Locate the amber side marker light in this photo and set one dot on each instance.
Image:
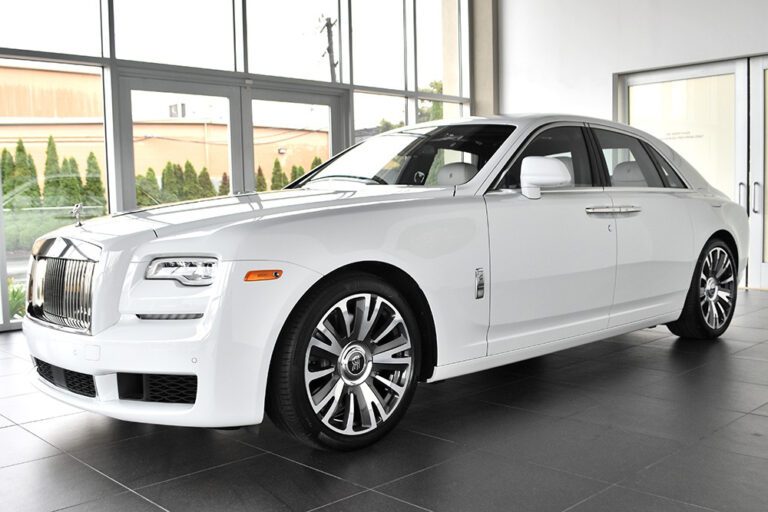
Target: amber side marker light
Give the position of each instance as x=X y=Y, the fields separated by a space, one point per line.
x=263 y=275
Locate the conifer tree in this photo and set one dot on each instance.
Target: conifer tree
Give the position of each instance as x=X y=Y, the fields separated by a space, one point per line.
x=171 y=184
x=191 y=186
x=206 y=185
x=6 y=171
x=317 y=161
x=33 y=192
x=25 y=191
x=224 y=185
x=71 y=186
x=279 y=179
x=153 y=189
x=52 y=173
x=147 y=190
x=93 y=192
x=261 y=181
x=294 y=173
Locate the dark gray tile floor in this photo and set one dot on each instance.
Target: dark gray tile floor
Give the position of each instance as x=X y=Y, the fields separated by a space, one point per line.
x=640 y=422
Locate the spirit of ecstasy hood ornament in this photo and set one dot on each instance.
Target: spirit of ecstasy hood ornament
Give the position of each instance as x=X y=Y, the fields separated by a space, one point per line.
x=76 y=214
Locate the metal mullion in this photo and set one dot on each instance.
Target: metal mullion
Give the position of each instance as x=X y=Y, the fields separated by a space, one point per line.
x=239 y=14
x=246 y=119
x=351 y=43
x=61 y=58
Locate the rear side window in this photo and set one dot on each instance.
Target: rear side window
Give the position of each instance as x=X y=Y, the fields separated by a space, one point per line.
x=668 y=173
x=627 y=161
x=567 y=144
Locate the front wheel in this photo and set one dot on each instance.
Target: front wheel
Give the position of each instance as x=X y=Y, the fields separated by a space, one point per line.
x=345 y=366
x=711 y=300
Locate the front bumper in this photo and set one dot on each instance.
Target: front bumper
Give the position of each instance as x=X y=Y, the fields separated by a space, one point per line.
x=225 y=396
x=229 y=351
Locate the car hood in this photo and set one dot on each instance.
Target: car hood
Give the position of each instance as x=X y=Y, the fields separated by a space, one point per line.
x=130 y=229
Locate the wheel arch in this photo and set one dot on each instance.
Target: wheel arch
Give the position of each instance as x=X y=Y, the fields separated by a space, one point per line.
x=412 y=293
x=728 y=239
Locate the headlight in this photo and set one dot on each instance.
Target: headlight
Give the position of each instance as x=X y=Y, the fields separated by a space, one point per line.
x=188 y=271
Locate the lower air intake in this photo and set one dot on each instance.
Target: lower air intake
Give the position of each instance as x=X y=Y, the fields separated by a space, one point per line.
x=169 y=389
x=74 y=382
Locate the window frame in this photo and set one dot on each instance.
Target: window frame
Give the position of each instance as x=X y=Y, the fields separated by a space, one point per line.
x=604 y=165
x=597 y=178
x=659 y=161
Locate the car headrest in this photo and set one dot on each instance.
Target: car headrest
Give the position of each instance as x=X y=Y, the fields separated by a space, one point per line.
x=628 y=174
x=456 y=173
x=568 y=161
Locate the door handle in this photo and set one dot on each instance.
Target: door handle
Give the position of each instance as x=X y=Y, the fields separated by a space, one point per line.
x=629 y=209
x=596 y=210
x=755 y=197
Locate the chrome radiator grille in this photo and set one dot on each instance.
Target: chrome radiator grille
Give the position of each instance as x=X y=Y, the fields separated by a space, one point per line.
x=60 y=288
x=66 y=290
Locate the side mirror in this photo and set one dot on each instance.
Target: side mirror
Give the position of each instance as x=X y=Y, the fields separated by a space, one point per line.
x=542 y=171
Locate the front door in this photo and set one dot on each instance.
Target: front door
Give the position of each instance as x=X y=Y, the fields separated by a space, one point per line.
x=552 y=259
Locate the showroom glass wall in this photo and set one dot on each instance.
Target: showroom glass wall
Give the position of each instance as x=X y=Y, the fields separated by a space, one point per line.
x=124 y=110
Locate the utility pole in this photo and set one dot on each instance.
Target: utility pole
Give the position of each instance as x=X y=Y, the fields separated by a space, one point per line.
x=328 y=27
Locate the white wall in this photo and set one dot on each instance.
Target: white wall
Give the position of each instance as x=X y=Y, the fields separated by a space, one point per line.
x=560 y=55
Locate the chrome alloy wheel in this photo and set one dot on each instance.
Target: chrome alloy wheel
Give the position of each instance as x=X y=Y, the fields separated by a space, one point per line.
x=717 y=287
x=358 y=364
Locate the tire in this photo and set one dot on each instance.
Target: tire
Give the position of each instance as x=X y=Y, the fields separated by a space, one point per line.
x=351 y=345
x=711 y=299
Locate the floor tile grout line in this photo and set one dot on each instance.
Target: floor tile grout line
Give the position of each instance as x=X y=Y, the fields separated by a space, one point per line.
x=300 y=463
x=116 y=481
x=345 y=498
x=377 y=487
x=552 y=468
x=593 y=495
x=382 y=493
x=32 y=460
x=67 y=453
x=661 y=496
x=192 y=473
x=70 y=507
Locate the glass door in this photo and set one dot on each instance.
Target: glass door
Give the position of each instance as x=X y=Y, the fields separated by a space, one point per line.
x=292 y=134
x=181 y=142
x=702 y=113
x=758 y=227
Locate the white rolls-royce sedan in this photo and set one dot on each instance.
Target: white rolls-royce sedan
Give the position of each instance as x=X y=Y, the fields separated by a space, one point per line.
x=421 y=254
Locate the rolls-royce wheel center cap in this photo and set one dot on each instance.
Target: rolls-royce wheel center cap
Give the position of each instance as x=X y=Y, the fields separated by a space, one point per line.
x=355 y=363
x=712 y=288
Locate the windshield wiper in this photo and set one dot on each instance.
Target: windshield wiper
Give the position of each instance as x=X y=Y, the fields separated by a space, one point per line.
x=374 y=179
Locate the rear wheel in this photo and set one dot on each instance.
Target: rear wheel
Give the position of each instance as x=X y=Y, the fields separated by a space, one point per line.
x=344 y=369
x=711 y=300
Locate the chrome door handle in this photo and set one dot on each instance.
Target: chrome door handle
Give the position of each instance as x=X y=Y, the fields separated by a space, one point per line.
x=629 y=209
x=594 y=210
x=755 y=197
x=613 y=209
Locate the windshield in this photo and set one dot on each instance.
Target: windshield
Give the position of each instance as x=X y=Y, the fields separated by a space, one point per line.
x=417 y=156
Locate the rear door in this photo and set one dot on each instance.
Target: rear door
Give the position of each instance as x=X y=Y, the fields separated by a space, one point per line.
x=655 y=239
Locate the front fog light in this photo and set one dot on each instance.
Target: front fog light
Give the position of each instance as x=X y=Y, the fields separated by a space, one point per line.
x=187 y=271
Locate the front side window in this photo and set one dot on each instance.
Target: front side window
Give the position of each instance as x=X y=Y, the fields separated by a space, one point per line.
x=566 y=143
x=431 y=156
x=628 y=164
